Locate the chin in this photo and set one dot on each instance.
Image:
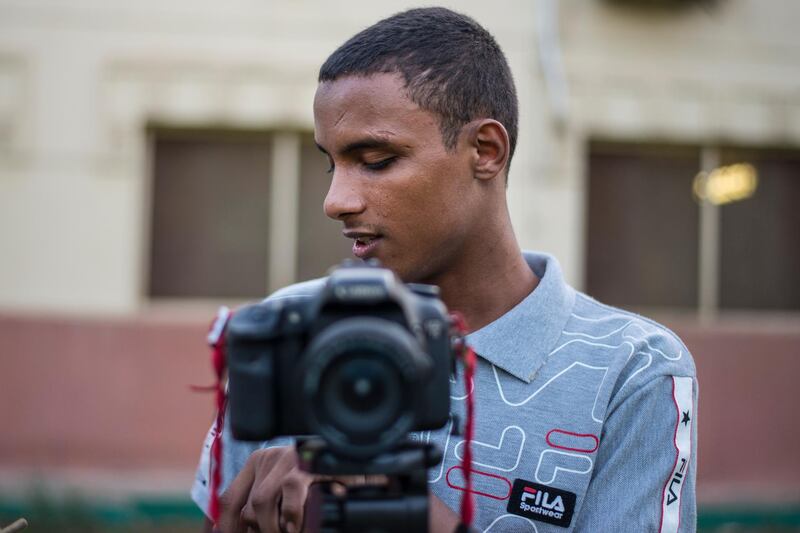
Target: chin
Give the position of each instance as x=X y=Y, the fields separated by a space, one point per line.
x=407 y=273
x=399 y=270
x=415 y=276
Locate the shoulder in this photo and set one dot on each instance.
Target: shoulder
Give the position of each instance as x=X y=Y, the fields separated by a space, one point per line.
x=643 y=335
x=646 y=352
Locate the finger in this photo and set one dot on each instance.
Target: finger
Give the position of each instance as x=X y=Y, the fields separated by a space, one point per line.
x=312 y=520
x=264 y=497
x=248 y=520
x=265 y=474
x=294 y=494
x=235 y=498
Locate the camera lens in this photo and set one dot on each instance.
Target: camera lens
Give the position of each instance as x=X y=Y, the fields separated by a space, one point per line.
x=359 y=382
x=361 y=394
x=362 y=385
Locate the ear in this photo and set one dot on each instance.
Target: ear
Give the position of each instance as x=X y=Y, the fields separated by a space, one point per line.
x=489 y=140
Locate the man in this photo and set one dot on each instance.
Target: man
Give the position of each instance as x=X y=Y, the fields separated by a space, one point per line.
x=585 y=413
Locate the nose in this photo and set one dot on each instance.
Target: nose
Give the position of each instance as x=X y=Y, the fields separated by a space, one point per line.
x=344 y=197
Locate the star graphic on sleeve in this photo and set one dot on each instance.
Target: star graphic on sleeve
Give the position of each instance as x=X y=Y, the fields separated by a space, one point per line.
x=685 y=419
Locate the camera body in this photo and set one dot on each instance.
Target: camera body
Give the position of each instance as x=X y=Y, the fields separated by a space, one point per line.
x=361 y=363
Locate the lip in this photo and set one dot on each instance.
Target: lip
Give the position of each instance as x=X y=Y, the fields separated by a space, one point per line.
x=363 y=250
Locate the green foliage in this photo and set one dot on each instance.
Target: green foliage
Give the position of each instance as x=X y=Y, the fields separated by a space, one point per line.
x=47 y=513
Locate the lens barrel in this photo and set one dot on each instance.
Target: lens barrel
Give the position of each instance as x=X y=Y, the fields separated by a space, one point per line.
x=359 y=382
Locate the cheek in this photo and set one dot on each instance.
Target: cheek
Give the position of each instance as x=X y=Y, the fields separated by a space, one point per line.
x=424 y=198
x=387 y=203
x=420 y=207
x=446 y=193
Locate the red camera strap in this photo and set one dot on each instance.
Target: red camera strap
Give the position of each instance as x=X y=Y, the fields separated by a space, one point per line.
x=216 y=340
x=469 y=361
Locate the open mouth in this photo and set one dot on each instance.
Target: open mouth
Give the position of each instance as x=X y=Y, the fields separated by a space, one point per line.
x=364 y=247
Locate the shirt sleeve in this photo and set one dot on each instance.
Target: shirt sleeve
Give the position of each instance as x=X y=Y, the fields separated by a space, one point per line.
x=234 y=456
x=644 y=475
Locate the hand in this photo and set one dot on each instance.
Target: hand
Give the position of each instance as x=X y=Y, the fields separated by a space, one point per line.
x=270 y=492
x=268 y=495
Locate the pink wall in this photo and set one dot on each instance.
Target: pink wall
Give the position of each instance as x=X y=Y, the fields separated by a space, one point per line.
x=113 y=394
x=102 y=393
x=749 y=420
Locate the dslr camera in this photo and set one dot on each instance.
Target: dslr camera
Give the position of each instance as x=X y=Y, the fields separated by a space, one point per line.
x=360 y=363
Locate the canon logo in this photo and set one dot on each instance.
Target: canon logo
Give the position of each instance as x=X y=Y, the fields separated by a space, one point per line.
x=359 y=292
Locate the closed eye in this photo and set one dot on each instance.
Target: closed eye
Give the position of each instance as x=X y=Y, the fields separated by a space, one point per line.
x=382 y=164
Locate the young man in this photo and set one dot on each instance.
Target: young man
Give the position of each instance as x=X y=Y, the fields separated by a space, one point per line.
x=585 y=413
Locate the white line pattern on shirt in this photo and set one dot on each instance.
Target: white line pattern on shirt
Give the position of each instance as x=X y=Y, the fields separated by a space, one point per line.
x=463 y=396
x=548 y=382
x=477 y=446
x=625 y=334
x=602 y=318
x=597 y=397
x=600 y=336
x=600 y=344
x=644 y=340
x=638 y=370
x=444 y=453
x=511 y=517
x=579 y=458
x=634 y=323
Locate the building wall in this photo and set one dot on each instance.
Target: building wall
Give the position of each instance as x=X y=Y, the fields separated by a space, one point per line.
x=80 y=81
x=726 y=74
x=80 y=84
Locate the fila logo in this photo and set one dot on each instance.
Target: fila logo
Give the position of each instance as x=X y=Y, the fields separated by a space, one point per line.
x=675 y=484
x=542 y=503
x=541 y=498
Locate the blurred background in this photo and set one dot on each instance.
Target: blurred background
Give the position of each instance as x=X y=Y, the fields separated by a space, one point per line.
x=157 y=159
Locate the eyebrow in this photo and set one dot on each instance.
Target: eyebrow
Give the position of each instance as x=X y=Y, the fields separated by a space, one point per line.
x=361 y=144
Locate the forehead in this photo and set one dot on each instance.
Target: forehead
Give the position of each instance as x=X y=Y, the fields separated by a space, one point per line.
x=371 y=105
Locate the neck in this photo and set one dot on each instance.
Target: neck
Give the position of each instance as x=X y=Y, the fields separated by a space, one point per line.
x=488 y=279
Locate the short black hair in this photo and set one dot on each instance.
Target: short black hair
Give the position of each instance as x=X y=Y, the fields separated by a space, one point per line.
x=452 y=67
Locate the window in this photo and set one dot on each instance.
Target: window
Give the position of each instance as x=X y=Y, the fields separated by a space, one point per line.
x=236 y=214
x=759 y=265
x=643 y=226
x=645 y=236
x=210 y=213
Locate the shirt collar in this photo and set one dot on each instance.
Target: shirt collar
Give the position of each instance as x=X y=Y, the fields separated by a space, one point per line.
x=520 y=340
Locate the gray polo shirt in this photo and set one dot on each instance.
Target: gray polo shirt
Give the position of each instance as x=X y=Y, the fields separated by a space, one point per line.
x=585 y=419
